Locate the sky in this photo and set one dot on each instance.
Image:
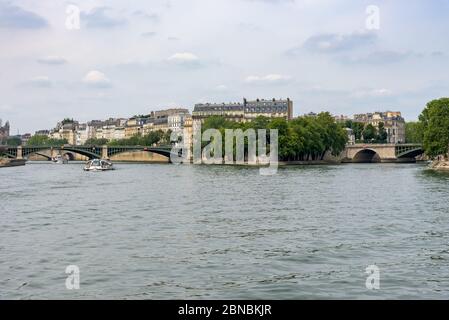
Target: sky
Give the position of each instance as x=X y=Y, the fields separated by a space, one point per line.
x=132 y=57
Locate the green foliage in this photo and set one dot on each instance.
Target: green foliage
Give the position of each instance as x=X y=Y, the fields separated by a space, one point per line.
x=369 y=133
x=414 y=132
x=13 y=141
x=96 y=142
x=382 y=135
x=67 y=120
x=434 y=121
x=357 y=129
x=217 y=122
x=39 y=140
x=304 y=138
x=152 y=138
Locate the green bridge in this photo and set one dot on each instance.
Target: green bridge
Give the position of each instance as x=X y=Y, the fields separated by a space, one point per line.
x=352 y=153
x=91 y=152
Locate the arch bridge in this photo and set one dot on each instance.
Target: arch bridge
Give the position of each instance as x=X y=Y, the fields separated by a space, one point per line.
x=366 y=153
x=91 y=152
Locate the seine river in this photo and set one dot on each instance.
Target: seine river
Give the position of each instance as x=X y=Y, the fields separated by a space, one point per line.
x=155 y=231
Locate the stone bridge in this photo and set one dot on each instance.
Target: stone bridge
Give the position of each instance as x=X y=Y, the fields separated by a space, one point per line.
x=91 y=152
x=382 y=152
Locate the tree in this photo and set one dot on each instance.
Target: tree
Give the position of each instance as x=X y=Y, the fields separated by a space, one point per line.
x=39 y=140
x=152 y=138
x=96 y=142
x=166 y=137
x=304 y=138
x=13 y=141
x=414 y=132
x=382 y=135
x=435 y=127
x=357 y=128
x=369 y=133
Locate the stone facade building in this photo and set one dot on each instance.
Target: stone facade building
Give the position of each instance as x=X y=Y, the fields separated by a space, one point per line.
x=4 y=132
x=246 y=111
x=65 y=130
x=393 y=122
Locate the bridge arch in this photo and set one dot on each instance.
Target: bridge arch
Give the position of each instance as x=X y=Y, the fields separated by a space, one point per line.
x=413 y=153
x=82 y=151
x=9 y=155
x=64 y=151
x=366 y=156
x=68 y=155
x=42 y=155
x=164 y=151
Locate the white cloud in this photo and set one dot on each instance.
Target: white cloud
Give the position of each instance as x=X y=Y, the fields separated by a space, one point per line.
x=39 y=82
x=5 y=107
x=14 y=17
x=184 y=58
x=330 y=43
x=221 y=87
x=148 y=34
x=269 y=78
x=102 y=17
x=52 y=60
x=380 y=57
x=382 y=92
x=97 y=79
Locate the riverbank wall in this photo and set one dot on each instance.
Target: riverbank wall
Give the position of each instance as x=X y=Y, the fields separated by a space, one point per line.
x=134 y=156
x=440 y=165
x=4 y=163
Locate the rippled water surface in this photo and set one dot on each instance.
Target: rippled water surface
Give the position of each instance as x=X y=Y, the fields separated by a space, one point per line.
x=164 y=231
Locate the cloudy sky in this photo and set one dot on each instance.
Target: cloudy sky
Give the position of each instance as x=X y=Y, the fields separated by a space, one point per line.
x=131 y=57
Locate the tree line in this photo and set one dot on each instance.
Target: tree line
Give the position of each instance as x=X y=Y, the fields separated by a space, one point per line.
x=152 y=138
x=301 y=139
x=432 y=128
x=41 y=140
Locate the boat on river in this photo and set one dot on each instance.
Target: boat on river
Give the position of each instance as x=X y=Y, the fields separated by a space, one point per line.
x=98 y=165
x=59 y=159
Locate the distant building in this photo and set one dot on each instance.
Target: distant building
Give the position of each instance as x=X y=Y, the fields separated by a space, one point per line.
x=110 y=129
x=393 y=121
x=134 y=126
x=341 y=118
x=4 y=132
x=65 y=130
x=311 y=114
x=246 y=111
x=42 y=133
x=25 y=137
x=165 y=120
x=176 y=121
x=351 y=136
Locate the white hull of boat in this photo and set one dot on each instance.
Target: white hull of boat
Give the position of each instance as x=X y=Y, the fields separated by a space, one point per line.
x=98 y=165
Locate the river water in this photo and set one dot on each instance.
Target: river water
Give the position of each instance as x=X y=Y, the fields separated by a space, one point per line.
x=159 y=231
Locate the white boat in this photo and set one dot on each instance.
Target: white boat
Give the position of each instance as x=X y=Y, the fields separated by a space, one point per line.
x=60 y=159
x=98 y=165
